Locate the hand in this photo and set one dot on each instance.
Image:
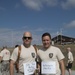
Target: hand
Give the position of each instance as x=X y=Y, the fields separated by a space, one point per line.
x=37 y=70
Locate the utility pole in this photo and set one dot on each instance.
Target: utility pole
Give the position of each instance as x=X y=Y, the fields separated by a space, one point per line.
x=57 y=36
x=12 y=37
x=61 y=35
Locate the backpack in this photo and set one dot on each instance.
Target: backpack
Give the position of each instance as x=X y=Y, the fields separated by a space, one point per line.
x=17 y=61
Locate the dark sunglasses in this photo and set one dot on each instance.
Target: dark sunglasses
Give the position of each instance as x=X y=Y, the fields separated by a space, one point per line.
x=27 y=38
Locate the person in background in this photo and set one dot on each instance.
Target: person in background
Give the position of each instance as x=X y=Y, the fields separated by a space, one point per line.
x=49 y=53
x=4 y=58
x=16 y=46
x=27 y=54
x=70 y=60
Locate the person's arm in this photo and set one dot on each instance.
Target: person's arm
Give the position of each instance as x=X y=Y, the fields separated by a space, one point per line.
x=62 y=67
x=0 y=58
x=11 y=67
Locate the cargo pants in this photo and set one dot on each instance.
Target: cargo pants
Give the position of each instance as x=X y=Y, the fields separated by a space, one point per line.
x=5 y=68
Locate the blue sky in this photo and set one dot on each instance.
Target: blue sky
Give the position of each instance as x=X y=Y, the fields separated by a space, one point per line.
x=36 y=16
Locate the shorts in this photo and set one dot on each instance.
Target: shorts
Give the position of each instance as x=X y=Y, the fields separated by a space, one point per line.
x=69 y=66
x=5 y=66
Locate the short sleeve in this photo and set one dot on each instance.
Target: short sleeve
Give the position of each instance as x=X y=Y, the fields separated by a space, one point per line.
x=60 y=55
x=14 y=54
x=1 y=54
x=39 y=59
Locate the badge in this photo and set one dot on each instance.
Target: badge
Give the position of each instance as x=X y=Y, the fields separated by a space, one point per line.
x=51 y=55
x=33 y=55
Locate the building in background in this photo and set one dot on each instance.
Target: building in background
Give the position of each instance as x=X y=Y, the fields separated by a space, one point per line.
x=61 y=39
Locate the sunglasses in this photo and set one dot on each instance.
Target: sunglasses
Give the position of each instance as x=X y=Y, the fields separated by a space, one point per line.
x=27 y=38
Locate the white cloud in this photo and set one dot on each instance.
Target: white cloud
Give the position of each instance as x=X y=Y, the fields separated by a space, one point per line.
x=38 y=4
x=36 y=39
x=51 y=2
x=71 y=24
x=33 y=4
x=68 y=4
x=11 y=37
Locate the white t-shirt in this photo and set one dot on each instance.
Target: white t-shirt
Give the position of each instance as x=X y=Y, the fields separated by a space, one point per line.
x=27 y=55
x=5 y=54
x=51 y=54
x=70 y=57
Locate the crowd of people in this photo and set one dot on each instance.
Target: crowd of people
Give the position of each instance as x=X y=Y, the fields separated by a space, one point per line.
x=49 y=59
